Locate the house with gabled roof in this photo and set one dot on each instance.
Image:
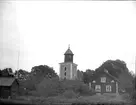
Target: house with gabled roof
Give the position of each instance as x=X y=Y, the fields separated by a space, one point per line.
x=103 y=82
x=9 y=85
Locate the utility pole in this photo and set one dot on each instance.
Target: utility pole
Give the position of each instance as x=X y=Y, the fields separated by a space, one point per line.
x=18 y=63
x=18 y=60
x=135 y=66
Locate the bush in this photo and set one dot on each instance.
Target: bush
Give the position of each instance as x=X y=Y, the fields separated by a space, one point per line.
x=70 y=94
x=33 y=93
x=126 y=96
x=134 y=95
x=84 y=89
x=48 y=87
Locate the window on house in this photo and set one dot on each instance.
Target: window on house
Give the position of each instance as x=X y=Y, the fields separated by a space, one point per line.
x=108 y=88
x=94 y=81
x=97 y=88
x=103 y=79
x=112 y=81
x=65 y=68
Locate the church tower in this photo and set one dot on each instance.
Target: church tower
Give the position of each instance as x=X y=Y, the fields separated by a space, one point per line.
x=68 y=69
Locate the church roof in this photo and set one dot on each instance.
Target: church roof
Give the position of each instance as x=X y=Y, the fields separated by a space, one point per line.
x=68 y=52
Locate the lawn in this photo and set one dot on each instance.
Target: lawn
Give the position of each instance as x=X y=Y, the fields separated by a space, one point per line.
x=107 y=98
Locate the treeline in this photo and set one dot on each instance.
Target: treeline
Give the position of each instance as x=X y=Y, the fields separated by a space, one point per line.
x=42 y=80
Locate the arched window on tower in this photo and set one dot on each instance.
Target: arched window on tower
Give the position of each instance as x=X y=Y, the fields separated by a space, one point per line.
x=65 y=68
x=65 y=74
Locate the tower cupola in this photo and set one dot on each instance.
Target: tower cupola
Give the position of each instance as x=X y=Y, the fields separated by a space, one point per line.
x=68 y=55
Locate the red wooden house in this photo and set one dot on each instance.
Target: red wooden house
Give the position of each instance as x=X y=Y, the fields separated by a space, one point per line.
x=103 y=82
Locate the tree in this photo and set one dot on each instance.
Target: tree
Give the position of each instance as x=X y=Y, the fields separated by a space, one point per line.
x=7 y=72
x=87 y=75
x=22 y=77
x=44 y=71
x=134 y=90
x=37 y=74
x=134 y=83
x=111 y=66
x=22 y=74
x=79 y=75
x=114 y=67
x=126 y=79
x=0 y=72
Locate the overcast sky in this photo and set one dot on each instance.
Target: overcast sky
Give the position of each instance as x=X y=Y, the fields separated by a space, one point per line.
x=41 y=32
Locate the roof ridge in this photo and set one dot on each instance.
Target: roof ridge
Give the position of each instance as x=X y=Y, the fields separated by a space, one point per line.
x=106 y=71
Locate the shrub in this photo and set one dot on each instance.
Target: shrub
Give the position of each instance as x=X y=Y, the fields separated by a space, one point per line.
x=48 y=87
x=69 y=94
x=84 y=89
x=134 y=95
x=33 y=93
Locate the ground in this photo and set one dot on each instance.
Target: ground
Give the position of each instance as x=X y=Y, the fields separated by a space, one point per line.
x=87 y=99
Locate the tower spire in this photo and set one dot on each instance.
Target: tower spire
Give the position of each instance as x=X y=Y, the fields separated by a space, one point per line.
x=69 y=46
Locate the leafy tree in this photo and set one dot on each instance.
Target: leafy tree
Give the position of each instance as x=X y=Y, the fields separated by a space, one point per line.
x=44 y=71
x=22 y=74
x=0 y=72
x=111 y=66
x=114 y=67
x=79 y=75
x=126 y=81
x=134 y=83
x=87 y=75
x=134 y=90
x=7 y=72
x=37 y=74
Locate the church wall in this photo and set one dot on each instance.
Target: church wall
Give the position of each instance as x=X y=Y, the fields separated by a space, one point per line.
x=74 y=71
x=62 y=69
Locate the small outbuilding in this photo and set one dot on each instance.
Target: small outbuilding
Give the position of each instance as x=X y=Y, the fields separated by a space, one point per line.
x=9 y=87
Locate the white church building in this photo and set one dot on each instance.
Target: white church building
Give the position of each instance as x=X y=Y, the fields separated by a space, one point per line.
x=68 y=69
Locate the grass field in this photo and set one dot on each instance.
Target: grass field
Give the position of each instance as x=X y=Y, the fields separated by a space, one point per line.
x=106 y=98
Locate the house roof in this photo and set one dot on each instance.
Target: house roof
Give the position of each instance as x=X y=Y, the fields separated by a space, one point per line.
x=106 y=71
x=6 y=81
x=96 y=75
